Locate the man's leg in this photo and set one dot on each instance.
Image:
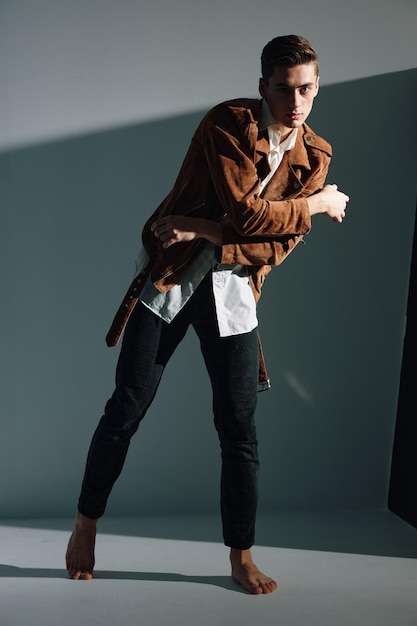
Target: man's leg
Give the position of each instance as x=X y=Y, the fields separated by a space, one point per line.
x=234 y=405
x=148 y=344
x=233 y=364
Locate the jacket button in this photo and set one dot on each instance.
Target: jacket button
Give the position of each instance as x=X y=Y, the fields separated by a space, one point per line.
x=309 y=138
x=296 y=185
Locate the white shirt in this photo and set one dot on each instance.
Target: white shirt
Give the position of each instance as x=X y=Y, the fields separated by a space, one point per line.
x=234 y=299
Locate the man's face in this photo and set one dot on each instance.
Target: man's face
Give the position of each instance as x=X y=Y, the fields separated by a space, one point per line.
x=290 y=93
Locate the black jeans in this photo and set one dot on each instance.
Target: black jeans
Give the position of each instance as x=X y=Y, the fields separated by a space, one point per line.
x=232 y=364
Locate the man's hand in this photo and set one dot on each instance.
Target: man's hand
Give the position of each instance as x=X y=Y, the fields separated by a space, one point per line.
x=330 y=201
x=177 y=228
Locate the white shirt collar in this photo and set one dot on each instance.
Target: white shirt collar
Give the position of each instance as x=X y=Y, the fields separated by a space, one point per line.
x=268 y=121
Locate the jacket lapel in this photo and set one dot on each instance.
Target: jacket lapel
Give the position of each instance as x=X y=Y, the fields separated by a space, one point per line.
x=261 y=154
x=298 y=155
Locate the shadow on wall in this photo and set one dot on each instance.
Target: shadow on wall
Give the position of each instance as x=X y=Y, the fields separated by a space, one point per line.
x=331 y=318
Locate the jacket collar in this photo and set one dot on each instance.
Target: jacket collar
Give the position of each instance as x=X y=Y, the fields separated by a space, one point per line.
x=298 y=155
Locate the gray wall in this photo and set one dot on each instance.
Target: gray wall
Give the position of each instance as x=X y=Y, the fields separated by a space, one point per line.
x=68 y=68
x=332 y=319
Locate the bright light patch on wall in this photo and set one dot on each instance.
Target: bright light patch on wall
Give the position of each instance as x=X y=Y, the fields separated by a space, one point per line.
x=298 y=388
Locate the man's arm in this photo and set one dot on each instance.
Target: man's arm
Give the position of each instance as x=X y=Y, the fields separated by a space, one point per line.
x=176 y=228
x=229 y=159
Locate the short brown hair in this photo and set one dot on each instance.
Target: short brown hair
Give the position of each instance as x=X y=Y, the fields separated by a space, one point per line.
x=287 y=51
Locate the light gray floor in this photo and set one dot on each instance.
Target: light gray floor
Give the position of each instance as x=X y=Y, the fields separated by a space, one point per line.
x=334 y=568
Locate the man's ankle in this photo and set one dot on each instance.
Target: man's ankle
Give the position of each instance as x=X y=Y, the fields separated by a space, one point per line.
x=83 y=521
x=239 y=556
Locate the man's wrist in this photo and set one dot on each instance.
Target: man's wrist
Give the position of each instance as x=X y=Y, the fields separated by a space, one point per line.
x=314 y=204
x=211 y=231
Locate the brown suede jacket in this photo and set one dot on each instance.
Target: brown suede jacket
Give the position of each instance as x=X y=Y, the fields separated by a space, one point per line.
x=220 y=180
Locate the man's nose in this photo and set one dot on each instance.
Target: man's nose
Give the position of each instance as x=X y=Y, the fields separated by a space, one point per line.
x=295 y=99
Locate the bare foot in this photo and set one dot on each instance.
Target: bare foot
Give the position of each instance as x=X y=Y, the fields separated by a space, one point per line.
x=245 y=572
x=80 y=552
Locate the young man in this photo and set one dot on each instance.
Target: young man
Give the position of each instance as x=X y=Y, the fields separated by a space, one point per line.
x=244 y=197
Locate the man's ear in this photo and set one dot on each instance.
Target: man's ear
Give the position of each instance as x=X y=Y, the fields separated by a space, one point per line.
x=262 y=87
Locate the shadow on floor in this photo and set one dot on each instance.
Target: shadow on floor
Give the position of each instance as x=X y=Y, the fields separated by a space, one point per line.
x=225 y=582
